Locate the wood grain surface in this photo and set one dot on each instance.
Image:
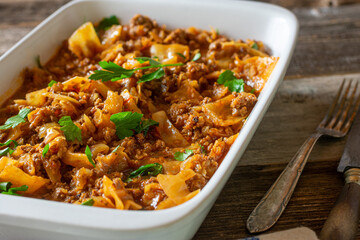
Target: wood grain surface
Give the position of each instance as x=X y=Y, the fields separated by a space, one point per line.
x=328 y=50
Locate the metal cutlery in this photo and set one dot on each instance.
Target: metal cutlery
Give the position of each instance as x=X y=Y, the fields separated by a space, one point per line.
x=336 y=123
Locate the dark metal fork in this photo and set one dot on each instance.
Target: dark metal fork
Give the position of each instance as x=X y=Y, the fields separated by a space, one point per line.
x=336 y=123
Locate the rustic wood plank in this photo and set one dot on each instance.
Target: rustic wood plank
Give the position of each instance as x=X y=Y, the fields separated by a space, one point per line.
x=311 y=203
x=294 y=114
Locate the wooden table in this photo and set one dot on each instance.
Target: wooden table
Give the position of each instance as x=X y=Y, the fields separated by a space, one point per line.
x=328 y=50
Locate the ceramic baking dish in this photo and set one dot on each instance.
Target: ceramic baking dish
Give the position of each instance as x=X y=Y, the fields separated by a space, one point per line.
x=27 y=218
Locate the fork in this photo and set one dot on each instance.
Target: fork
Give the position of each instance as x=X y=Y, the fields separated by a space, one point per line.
x=336 y=123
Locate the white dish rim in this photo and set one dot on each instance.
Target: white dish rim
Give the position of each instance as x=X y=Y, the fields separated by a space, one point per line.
x=167 y=216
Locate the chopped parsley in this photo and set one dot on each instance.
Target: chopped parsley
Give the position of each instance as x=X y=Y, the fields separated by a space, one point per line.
x=152 y=169
x=202 y=149
x=151 y=61
x=51 y=83
x=71 y=131
x=196 y=57
x=113 y=72
x=228 y=79
x=5 y=188
x=89 y=202
x=125 y=123
x=180 y=55
x=16 y=120
x=89 y=155
x=116 y=149
x=38 y=63
x=106 y=23
x=128 y=122
x=151 y=76
x=145 y=125
x=255 y=46
x=183 y=156
x=252 y=91
x=45 y=150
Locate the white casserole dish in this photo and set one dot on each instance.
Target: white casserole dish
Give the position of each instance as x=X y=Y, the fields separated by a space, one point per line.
x=27 y=218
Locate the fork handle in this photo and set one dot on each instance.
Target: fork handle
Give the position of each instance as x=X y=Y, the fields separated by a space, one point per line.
x=271 y=206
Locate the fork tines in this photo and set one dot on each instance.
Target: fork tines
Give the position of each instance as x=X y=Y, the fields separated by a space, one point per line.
x=343 y=109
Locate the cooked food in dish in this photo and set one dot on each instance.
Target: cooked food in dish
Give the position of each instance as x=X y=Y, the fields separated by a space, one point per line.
x=129 y=116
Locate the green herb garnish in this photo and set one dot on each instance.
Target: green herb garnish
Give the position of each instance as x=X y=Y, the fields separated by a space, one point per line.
x=89 y=202
x=255 y=46
x=16 y=120
x=145 y=125
x=152 y=76
x=128 y=122
x=152 y=169
x=106 y=23
x=196 y=57
x=202 y=149
x=180 y=55
x=71 y=131
x=183 y=156
x=116 y=149
x=125 y=123
x=45 y=150
x=115 y=72
x=252 y=91
x=5 y=188
x=38 y=63
x=89 y=155
x=151 y=61
x=228 y=79
x=51 y=83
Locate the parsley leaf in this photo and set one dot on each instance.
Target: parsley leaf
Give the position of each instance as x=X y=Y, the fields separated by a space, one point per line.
x=8 y=142
x=252 y=91
x=183 y=156
x=89 y=202
x=51 y=83
x=228 y=79
x=4 y=186
x=196 y=57
x=89 y=155
x=128 y=122
x=38 y=63
x=236 y=85
x=8 y=150
x=106 y=23
x=202 y=149
x=16 y=120
x=151 y=76
x=115 y=72
x=7 y=189
x=255 y=46
x=71 y=131
x=180 y=55
x=115 y=149
x=45 y=150
x=145 y=125
x=151 y=61
x=125 y=122
x=152 y=169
